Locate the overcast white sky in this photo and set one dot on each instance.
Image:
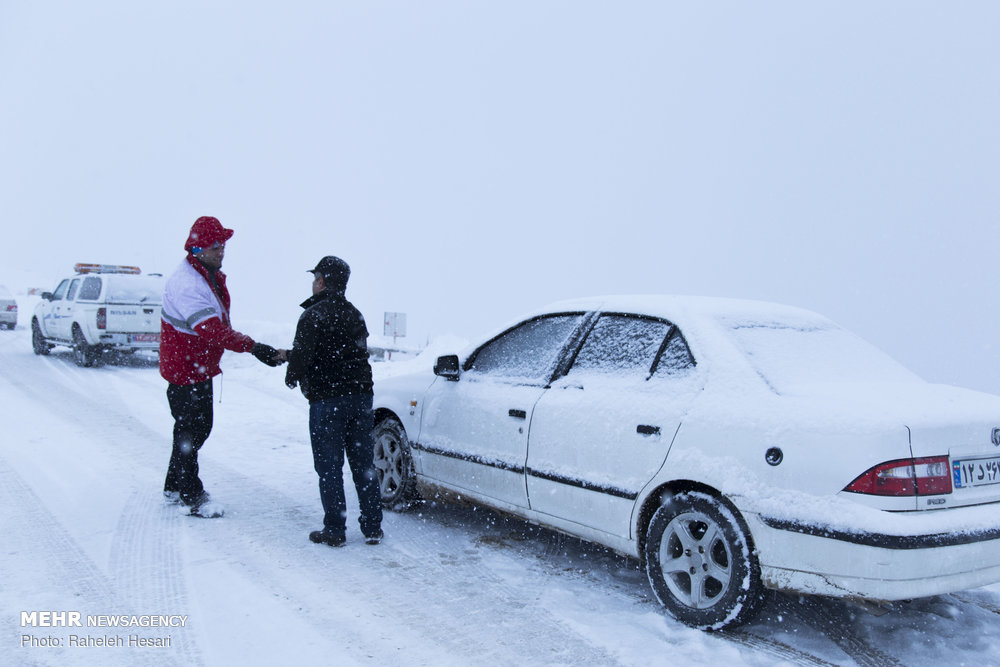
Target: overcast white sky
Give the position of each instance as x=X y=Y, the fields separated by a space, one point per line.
x=472 y=160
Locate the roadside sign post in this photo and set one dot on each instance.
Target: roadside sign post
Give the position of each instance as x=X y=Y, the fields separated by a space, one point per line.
x=395 y=326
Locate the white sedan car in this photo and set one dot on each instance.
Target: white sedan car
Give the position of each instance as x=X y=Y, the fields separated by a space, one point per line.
x=8 y=308
x=730 y=445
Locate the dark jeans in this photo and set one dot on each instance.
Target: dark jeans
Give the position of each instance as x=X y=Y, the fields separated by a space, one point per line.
x=339 y=425
x=191 y=407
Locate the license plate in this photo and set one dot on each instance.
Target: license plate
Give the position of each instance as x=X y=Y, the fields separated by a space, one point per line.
x=976 y=472
x=146 y=338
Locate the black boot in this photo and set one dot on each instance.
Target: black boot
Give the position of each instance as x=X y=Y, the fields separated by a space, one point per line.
x=327 y=537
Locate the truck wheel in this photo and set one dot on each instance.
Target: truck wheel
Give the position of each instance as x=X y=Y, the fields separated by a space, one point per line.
x=38 y=344
x=84 y=354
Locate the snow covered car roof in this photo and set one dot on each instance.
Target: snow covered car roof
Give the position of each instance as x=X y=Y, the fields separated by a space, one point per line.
x=665 y=305
x=724 y=332
x=770 y=349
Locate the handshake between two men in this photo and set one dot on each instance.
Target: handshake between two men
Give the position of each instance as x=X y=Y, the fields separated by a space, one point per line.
x=268 y=355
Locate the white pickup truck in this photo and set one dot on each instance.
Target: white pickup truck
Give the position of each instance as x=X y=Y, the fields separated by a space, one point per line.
x=102 y=307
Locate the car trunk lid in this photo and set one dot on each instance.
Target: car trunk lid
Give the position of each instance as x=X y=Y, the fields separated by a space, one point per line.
x=973 y=450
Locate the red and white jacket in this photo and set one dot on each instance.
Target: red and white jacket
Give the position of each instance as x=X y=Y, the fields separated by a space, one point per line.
x=195 y=328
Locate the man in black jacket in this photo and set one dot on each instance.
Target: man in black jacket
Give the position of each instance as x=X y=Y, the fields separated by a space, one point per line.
x=329 y=362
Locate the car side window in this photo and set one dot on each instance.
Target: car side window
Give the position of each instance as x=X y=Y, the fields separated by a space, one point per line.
x=72 y=289
x=621 y=344
x=676 y=358
x=60 y=292
x=529 y=351
x=91 y=288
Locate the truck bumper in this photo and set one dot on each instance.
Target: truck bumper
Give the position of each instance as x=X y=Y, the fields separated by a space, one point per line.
x=130 y=341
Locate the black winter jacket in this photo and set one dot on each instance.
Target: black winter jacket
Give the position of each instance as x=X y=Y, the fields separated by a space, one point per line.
x=329 y=357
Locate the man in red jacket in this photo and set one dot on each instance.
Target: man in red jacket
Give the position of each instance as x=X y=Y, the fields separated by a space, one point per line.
x=194 y=331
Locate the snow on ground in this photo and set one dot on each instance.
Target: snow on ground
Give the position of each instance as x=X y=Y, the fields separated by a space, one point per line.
x=84 y=529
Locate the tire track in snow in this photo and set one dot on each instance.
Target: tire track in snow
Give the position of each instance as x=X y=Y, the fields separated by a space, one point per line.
x=982 y=604
x=147 y=567
x=559 y=555
x=33 y=524
x=774 y=647
x=144 y=558
x=82 y=401
x=471 y=615
x=833 y=620
x=69 y=574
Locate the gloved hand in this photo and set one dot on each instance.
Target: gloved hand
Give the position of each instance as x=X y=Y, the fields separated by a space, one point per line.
x=266 y=354
x=290 y=381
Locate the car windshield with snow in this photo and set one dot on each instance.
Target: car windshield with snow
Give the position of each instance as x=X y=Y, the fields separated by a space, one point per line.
x=731 y=446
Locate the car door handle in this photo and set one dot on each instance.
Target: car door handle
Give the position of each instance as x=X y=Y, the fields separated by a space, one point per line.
x=520 y=414
x=646 y=429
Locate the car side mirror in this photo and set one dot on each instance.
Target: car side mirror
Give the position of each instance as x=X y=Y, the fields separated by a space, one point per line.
x=47 y=296
x=447 y=367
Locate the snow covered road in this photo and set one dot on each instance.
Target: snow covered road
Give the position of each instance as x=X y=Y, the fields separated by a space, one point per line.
x=84 y=528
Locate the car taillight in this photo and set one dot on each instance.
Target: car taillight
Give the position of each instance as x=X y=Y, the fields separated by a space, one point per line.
x=12 y=308
x=929 y=476
x=102 y=318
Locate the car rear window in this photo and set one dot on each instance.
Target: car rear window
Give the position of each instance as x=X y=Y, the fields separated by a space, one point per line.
x=790 y=354
x=135 y=289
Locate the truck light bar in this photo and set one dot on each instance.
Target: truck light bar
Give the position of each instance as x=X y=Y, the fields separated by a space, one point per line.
x=80 y=267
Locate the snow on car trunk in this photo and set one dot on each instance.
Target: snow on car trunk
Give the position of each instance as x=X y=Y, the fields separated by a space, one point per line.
x=970 y=449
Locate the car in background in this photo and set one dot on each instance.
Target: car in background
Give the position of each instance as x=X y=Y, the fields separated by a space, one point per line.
x=732 y=446
x=8 y=308
x=100 y=308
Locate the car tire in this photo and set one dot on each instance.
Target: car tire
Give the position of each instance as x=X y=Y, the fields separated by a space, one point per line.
x=38 y=344
x=84 y=354
x=701 y=563
x=393 y=464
